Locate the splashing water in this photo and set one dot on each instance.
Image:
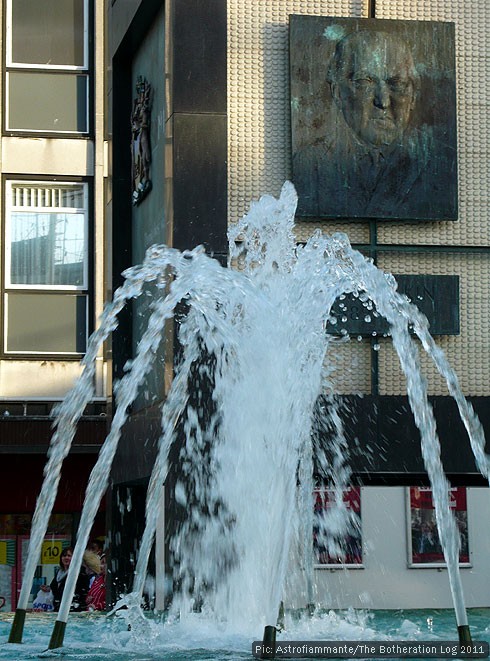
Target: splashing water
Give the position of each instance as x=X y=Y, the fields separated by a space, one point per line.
x=255 y=335
x=107 y=639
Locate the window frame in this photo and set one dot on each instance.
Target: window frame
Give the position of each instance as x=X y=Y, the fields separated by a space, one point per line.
x=61 y=132
x=85 y=70
x=37 y=354
x=49 y=67
x=9 y=208
x=84 y=291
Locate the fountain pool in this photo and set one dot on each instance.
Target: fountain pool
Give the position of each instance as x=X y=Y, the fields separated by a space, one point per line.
x=96 y=637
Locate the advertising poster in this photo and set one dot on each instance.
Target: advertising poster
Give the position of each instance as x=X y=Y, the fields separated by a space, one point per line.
x=7 y=572
x=337 y=538
x=49 y=558
x=425 y=547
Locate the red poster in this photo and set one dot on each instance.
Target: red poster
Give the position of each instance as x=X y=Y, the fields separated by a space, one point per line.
x=337 y=527
x=425 y=542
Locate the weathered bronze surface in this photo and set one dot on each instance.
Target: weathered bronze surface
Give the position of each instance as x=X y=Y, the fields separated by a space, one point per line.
x=437 y=296
x=373 y=113
x=140 y=141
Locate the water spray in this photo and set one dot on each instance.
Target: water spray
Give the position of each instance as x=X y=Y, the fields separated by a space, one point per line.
x=264 y=326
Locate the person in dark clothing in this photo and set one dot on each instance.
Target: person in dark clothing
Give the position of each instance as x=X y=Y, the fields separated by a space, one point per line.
x=57 y=585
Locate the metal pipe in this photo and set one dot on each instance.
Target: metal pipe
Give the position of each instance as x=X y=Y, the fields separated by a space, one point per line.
x=464 y=634
x=17 y=626
x=269 y=643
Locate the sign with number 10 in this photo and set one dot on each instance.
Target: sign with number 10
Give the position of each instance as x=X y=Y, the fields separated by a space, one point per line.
x=51 y=551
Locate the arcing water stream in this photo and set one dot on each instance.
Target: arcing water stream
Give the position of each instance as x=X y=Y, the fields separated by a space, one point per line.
x=246 y=478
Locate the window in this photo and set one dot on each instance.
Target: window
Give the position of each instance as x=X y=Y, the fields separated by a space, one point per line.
x=46 y=267
x=337 y=539
x=47 y=66
x=425 y=548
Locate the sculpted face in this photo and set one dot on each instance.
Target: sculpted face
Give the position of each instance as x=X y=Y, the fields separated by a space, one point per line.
x=373 y=83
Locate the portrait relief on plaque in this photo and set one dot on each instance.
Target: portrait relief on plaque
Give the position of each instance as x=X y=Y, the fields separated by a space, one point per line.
x=373 y=118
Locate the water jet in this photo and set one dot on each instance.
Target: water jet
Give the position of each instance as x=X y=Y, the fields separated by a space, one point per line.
x=264 y=325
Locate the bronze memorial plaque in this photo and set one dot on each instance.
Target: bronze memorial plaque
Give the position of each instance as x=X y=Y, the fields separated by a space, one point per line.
x=373 y=114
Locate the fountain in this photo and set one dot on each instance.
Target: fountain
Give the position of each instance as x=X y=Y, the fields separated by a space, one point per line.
x=261 y=329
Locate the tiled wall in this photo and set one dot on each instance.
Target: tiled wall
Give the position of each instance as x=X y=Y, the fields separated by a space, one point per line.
x=259 y=157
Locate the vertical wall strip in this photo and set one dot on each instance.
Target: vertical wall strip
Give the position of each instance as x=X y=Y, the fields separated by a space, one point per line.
x=372 y=248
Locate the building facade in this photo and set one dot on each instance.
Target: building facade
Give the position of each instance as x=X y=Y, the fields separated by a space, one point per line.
x=220 y=138
x=53 y=277
x=75 y=216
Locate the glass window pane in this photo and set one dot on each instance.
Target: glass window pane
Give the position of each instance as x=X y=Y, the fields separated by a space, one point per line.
x=47 y=249
x=47 y=102
x=46 y=228
x=27 y=195
x=50 y=32
x=60 y=323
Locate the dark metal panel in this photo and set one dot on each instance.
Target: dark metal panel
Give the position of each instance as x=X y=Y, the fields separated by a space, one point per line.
x=22 y=434
x=196 y=178
x=137 y=449
x=129 y=20
x=384 y=442
x=456 y=452
x=373 y=118
x=437 y=296
x=200 y=181
x=199 y=56
x=22 y=477
x=129 y=522
x=121 y=204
